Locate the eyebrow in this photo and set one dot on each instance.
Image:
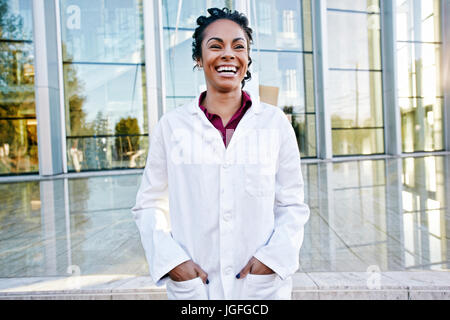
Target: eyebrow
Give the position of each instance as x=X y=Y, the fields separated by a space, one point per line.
x=220 y=40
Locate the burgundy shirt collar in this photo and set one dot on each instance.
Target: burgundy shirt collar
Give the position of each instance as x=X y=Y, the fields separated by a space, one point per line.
x=216 y=121
x=246 y=104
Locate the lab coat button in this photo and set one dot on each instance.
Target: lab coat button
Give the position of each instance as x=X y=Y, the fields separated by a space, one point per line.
x=228 y=270
x=227 y=216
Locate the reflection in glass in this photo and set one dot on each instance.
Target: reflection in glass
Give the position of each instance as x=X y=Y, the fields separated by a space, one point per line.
x=366 y=216
x=18 y=131
x=355 y=77
x=418 y=20
x=418 y=75
x=279 y=24
x=360 y=47
x=282 y=34
x=356 y=99
x=304 y=126
x=284 y=70
x=104 y=81
x=103 y=31
x=425 y=205
x=357 y=141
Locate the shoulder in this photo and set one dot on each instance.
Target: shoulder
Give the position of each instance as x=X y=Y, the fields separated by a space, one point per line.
x=274 y=113
x=180 y=113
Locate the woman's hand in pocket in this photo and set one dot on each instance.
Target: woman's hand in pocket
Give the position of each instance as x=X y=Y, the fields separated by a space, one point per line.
x=187 y=271
x=254 y=266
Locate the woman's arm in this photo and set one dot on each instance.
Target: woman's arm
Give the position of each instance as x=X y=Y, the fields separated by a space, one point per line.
x=281 y=254
x=152 y=207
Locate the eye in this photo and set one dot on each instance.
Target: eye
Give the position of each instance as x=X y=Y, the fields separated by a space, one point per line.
x=239 y=46
x=215 y=46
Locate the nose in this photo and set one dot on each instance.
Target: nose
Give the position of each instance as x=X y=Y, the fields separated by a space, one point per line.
x=228 y=54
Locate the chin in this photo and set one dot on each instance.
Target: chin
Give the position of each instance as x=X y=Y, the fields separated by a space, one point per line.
x=227 y=87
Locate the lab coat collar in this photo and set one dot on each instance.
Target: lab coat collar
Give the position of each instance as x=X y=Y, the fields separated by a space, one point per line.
x=255 y=108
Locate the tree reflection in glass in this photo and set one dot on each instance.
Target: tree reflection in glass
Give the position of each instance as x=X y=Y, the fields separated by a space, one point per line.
x=18 y=134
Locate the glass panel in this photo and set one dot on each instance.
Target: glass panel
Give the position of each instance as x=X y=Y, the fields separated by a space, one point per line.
x=418 y=20
x=418 y=69
x=307 y=25
x=18 y=146
x=279 y=24
x=305 y=130
x=178 y=53
x=358 y=141
x=355 y=91
x=354 y=40
x=283 y=27
x=121 y=150
x=102 y=31
x=284 y=70
x=357 y=5
x=16 y=20
x=104 y=80
x=418 y=75
x=107 y=95
x=422 y=124
x=187 y=12
x=18 y=134
x=355 y=99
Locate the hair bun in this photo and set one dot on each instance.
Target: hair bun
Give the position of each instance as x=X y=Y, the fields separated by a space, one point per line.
x=214 y=11
x=201 y=20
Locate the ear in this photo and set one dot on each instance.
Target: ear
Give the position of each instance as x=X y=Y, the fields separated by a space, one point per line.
x=199 y=63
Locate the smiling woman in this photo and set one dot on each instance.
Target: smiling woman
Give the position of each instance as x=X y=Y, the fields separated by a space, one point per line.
x=209 y=251
x=214 y=45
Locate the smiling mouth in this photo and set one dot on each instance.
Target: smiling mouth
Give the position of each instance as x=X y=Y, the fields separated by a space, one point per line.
x=230 y=70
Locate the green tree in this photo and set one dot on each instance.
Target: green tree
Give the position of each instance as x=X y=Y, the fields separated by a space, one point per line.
x=127 y=141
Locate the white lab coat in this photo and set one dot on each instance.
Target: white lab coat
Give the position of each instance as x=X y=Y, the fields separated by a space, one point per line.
x=226 y=204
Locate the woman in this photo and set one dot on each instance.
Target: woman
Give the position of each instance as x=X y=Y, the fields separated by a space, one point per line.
x=229 y=167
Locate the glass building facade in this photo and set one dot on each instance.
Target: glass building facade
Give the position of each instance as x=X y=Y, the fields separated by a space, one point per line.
x=104 y=84
x=420 y=91
x=324 y=63
x=18 y=125
x=355 y=77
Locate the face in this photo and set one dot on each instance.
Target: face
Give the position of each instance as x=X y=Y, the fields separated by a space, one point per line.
x=224 y=55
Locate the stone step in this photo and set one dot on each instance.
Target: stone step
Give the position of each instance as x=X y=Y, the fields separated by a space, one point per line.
x=404 y=285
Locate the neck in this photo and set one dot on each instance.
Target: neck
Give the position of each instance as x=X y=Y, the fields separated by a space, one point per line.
x=223 y=103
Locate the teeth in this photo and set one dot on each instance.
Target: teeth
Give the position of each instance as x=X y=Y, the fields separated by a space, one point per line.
x=227 y=69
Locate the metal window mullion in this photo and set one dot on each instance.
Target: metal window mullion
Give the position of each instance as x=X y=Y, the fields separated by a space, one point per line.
x=320 y=60
x=445 y=70
x=61 y=86
x=392 y=117
x=47 y=89
x=154 y=62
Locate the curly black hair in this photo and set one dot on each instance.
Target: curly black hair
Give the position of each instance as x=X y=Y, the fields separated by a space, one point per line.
x=216 y=14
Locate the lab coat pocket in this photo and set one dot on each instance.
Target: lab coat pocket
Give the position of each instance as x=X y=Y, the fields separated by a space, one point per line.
x=193 y=289
x=261 y=287
x=259 y=180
